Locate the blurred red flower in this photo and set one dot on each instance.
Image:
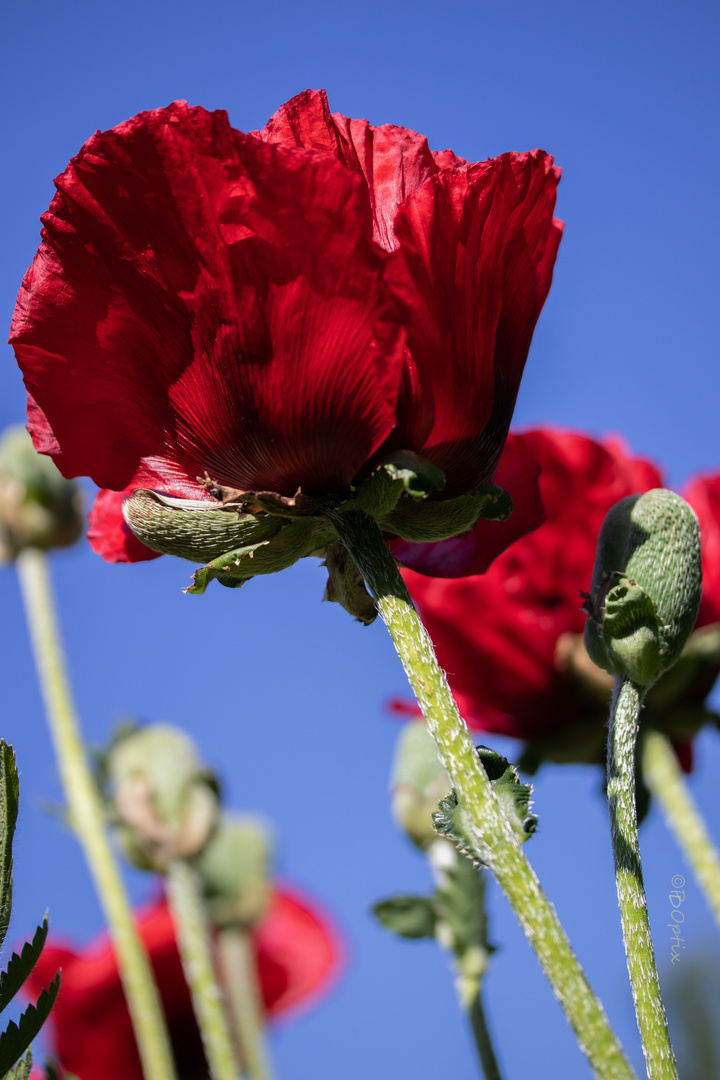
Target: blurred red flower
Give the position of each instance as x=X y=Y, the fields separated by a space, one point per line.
x=297 y=953
x=280 y=309
x=511 y=640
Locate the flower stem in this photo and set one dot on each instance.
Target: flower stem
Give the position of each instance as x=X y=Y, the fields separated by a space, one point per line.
x=483 y=1042
x=88 y=819
x=666 y=782
x=649 y=1010
x=492 y=832
x=238 y=965
x=187 y=904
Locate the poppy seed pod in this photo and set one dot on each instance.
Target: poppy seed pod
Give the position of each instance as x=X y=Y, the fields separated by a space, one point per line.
x=646 y=586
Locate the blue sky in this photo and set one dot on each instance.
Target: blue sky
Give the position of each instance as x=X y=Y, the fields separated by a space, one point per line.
x=626 y=97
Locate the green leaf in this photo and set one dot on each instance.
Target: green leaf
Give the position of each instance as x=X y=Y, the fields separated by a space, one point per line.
x=21 y=965
x=9 y=791
x=407 y=916
x=22 y=1070
x=16 y=1038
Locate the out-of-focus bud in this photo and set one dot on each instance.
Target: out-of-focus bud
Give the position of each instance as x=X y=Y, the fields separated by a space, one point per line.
x=418 y=783
x=646 y=586
x=235 y=871
x=38 y=507
x=165 y=801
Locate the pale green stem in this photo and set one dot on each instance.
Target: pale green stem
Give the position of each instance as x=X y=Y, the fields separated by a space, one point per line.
x=649 y=1009
x=88 y=820
x=492 y=832
x=238 y=966
x=483 y=1042
x=666 y=782
x=187 y=903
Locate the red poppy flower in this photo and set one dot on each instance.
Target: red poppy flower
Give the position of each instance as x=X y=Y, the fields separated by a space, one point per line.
x=497 y=635
x=280 y=310
x=92 y=1035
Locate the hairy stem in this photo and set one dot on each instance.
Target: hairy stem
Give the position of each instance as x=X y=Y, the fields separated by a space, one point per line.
x=483 y=1042
x=187 y=903
x=667 y=784
x=238 y=966
x=649 y=1009
x=492 y=833
x=88 y=820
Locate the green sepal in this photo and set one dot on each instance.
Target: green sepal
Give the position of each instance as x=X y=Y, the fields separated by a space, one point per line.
x=192 y=529
x=16 y=1038
x=20 y=965
x=418 y=476
x=427 y=522
x=296 y=540
x=407 y=916
x=9 y=796
x=451 y=821
x=22 y=1070
x=345 y=585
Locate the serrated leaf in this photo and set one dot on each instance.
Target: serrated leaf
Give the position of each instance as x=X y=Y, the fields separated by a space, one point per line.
x=22 y=1070
x=9 y=791
x=407 y=916
x=21 y=965
x=16 y=1038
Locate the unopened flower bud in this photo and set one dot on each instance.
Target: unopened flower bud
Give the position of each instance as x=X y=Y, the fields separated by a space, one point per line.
x=38 y=507
x=418 y=783
x=235 y=871
x=166 y=802
x=646 y=586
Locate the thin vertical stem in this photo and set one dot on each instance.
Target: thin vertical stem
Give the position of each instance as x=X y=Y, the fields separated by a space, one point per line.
x=666 y=782
x=187 y=903
x=88 y=819
x=649 y=1009
x=491 y=831
x=238 y=966
x=483 y=1042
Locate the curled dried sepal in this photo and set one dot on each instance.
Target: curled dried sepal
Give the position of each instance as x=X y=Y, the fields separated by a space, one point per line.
x=646 y=586
x=514 y=798
x=165 y=801
x=38 y=507
x=345 y=585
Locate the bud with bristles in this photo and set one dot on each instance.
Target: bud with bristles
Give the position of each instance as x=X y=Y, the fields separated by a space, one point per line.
x=646 y=586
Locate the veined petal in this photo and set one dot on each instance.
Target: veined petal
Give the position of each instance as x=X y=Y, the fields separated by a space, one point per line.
x=203 y=302
x=477 y=248
x=392 y=161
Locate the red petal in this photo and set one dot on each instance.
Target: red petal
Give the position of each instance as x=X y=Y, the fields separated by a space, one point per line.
x=703 y=494
x=108 y=534
x=297 y=955
x=476 y=551
x=204 y=302
x=393 y=161
x=477 y=248
x=496 y=634
x=298 y=952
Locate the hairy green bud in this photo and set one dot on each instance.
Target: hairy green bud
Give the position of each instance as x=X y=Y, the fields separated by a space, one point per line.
x=418 y=783
x=165 y=801
x=646 y=586
x=38 y=507
x=235 y=871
